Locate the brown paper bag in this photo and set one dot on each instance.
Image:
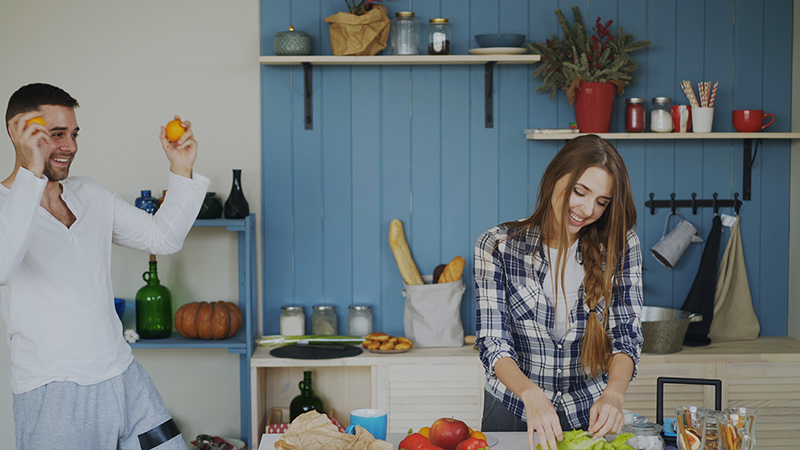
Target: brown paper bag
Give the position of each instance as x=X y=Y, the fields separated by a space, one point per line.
x=364 y=35
x=314 y=431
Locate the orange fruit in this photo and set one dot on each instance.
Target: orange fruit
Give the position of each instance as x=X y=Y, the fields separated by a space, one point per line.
x=425 y=431
x=39 y=120
x=175 y=130
x=477 y=435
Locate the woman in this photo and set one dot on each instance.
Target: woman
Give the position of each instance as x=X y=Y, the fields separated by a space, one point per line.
x=559 y=355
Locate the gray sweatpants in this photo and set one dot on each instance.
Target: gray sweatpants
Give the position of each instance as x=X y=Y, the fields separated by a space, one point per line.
x=125 y=413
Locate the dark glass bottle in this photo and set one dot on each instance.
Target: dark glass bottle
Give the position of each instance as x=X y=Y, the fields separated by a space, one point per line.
x=236 y=206
x=147 y=202
x=306 y=401
x=153 y=306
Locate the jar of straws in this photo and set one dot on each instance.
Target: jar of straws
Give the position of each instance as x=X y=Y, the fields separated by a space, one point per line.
x=703 y=110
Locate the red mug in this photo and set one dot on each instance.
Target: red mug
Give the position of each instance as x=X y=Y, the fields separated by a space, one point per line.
x=681 y=118
x=750 y=120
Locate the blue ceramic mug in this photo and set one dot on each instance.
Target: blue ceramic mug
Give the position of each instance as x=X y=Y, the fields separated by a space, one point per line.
x=372 y=420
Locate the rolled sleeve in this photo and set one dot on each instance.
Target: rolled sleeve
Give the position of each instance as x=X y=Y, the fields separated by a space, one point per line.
x=625 y=319
x=494 y=339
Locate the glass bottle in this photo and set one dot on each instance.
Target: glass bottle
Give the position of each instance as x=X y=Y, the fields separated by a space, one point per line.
x=660 y=115
x=323 y=320
x=153 y=306
x=405 y=33
x=306 y=401
x=439 y=36
x=634 y=115
x=147 y=202
x=236 y=206
x=293 y=321
x=359 y=320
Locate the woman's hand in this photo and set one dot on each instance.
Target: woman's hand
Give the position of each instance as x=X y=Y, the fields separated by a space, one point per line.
x=183 y=153
x=542 y=418
x=605 y=415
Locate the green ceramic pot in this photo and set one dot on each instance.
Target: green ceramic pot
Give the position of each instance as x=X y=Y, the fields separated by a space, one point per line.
x=292 y=42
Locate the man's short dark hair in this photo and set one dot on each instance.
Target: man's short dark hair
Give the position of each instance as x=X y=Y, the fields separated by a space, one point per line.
x=31 y=97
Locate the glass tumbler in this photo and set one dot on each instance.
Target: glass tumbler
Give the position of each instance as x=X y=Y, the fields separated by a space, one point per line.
x=737 y=429
x=691 y=423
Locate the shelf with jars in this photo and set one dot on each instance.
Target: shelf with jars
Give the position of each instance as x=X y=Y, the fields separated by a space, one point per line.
x=489 y=61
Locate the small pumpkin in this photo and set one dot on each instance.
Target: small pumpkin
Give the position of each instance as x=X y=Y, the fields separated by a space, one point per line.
x=204 y=320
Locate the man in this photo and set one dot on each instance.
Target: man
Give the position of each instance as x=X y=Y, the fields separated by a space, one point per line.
x=74 y=379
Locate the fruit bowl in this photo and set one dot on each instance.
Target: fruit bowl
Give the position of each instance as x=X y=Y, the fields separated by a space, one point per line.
x=499 y=39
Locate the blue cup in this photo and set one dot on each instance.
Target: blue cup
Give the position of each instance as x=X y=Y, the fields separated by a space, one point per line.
x=372 y=420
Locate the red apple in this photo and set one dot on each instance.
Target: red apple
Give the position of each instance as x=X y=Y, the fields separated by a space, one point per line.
x=448 y=433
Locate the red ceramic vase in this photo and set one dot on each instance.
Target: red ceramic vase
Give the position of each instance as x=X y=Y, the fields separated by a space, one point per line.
x=593 y=106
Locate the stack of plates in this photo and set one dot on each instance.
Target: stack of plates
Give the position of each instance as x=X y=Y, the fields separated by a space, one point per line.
x=498 y=51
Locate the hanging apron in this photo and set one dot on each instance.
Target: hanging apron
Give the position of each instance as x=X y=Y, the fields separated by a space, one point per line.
x=734 y=316
x=701 y=296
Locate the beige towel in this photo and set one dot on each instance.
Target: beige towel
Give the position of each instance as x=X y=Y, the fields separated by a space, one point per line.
x=734 y=317
x=314 y=431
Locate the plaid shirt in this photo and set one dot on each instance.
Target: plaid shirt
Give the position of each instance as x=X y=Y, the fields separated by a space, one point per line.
x=515 y=319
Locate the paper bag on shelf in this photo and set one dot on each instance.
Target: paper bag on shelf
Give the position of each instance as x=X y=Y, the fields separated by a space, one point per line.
x=363 y=35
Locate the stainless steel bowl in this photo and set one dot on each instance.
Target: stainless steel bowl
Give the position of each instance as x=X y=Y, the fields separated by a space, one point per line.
x=665 y=328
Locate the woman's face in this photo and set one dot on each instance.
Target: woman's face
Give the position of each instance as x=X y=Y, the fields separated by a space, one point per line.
x=588 y=199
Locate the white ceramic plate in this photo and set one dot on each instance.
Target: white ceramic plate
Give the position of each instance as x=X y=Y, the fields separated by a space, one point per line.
x=237 y=444
x=498 y=51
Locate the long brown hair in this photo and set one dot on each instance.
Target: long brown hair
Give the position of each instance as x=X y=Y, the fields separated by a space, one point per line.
x=602 y=242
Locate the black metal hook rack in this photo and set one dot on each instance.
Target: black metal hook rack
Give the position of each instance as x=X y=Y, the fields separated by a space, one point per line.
x=694 y=203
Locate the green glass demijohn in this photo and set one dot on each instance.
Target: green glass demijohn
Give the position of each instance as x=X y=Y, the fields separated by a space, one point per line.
x=306 y=401
x=153 y=306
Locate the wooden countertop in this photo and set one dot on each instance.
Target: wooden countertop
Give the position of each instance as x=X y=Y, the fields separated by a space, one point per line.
x=770 y=349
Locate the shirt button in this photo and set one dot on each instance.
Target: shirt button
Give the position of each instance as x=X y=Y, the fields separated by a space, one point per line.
x=558 y=370
x=559 y=345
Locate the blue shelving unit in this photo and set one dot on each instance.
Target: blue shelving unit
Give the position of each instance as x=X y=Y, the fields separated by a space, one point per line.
x=244 y=341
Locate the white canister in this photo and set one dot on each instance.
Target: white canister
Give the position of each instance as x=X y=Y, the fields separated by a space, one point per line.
x=359 y=320
x=293 y=321
x=661 y=115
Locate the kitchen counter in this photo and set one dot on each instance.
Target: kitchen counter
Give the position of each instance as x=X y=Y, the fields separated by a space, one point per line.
x=517 y=440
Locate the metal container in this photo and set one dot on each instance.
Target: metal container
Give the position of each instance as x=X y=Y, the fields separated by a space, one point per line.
x=665 y=328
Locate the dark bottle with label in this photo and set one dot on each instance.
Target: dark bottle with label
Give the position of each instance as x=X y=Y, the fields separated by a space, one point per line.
x=306 y=401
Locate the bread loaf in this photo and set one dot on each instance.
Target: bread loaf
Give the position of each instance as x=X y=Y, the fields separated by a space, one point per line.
x=452 y=272
x=402 y=254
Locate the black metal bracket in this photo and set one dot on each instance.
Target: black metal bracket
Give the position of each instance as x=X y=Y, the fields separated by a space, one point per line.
x=308 y=92
x=488 y=72
x=694 y=203
x=748 y=166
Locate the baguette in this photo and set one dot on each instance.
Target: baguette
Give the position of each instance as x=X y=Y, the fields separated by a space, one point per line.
x=452 y=272
x=402 y=254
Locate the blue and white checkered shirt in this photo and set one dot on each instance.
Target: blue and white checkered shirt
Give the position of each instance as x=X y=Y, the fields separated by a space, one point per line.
x=515 y=319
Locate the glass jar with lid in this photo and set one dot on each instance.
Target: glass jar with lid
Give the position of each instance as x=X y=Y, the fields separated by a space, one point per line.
x=293 y=321
x=660 y=115
x=323 y=320
x=405 y=33
x=439 y=36
x=634 y=115
x=646 y=435
x=359 y=320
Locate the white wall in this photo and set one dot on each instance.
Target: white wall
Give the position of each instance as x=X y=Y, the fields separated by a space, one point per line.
x=132 y=66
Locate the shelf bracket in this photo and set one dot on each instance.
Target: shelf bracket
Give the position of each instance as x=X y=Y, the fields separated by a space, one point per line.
x=488 y=72
x=307 y=96
x=747 y=166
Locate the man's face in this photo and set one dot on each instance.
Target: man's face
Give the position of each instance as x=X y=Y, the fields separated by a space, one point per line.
x=63 y=128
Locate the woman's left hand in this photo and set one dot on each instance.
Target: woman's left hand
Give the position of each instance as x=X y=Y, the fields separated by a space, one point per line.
x=605 y=415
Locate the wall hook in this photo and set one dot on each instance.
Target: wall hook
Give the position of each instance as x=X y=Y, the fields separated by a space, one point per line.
x=714 y=204
x=737 y=202
x=694 y=203
x=652 y=204
x=672 y=205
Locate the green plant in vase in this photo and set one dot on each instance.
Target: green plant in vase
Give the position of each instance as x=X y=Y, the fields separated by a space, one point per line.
x=579 y=57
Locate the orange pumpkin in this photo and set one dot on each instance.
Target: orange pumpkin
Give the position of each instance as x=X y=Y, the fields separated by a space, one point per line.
x=204 y=320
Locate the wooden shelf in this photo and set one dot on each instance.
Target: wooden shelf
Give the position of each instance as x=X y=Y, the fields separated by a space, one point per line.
x=489 y=61
x=719 y=135
x=328 y=60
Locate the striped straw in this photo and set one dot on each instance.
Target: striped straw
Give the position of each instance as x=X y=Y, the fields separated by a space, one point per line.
x=686 y=85
x=713 y=94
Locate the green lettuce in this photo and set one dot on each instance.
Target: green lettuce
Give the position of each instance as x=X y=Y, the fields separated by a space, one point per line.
x=580 y=440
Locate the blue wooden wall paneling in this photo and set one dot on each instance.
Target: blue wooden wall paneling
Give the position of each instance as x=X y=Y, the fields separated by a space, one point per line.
x=411 y=144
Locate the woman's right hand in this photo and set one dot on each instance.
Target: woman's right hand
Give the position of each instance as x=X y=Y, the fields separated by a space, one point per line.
x=542 y=418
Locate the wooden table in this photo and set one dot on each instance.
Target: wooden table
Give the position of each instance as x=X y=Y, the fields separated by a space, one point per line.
x=517 y=440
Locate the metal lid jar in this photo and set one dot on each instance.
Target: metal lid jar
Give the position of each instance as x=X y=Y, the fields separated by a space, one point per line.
x=634 y=115
x=405 y=33
x=660 y=115
x=439 y=36
x=359 y=320
x=646 y=435
x=323 y=320
x=293 y=321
